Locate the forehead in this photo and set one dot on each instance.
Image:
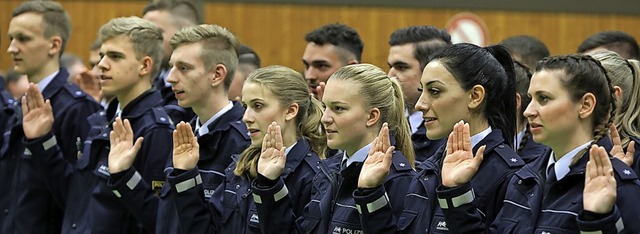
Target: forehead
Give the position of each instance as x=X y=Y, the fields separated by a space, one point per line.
x=29 y=22
x=189 y=52
x=338 y=90
x=253 y=90
x=120 y=44
x=316 y=52
x=402 y=52
x=161 y=18
x=436 y=71
x=547 y=80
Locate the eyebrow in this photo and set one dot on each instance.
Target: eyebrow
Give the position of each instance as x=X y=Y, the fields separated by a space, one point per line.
x=433 y=81
x=336 y=102
x=111 y=53
x=395 y=63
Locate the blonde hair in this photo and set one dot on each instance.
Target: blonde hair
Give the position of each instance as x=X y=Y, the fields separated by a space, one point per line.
x=145 y=36
x=385 y=94
x=624 y=74
x=219 y=46
x=289 y=87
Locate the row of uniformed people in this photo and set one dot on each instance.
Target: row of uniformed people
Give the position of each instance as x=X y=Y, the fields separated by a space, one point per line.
x=312 y=198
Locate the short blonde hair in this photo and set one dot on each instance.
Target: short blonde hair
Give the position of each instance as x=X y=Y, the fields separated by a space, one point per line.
x=219 y=46
x=145 y=36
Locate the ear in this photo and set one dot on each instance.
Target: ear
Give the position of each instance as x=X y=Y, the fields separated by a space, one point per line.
x=587 y=105
x=518 y=102
x=292 y=112
x=56 y=45
x=476 y=96
x=618 y=92
x=217 y=75
x=146 y=66
x=374 y=117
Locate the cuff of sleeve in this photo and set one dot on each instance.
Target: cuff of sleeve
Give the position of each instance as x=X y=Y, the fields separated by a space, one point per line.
x=41 y=144
x=125 y=180
x=370 y=200
x=610 y=223
x=274 y=193
x=184 y=181
x=455 y=197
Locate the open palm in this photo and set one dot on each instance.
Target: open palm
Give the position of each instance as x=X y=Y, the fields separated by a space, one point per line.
x=272 y=156
x=37 y=115
x=599 y=194
x=376 y=168
x=186 y=150
x=123 y=150
x=459 y=165
x=617 y=150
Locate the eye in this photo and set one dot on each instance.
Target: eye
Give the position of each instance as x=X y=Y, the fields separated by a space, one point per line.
x=543 y=99
x=244 y=105
x=258 y=106
x=338 y=108
x=183 y=68
x=434 y=91
x=420 y=89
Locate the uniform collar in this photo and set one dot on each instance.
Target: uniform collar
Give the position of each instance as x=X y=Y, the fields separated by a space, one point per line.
x=475 y=139
x=358 y=156
x=136 y=107
x=562 y=166
x=45 y=82
x=415 y=120
x=204 y=128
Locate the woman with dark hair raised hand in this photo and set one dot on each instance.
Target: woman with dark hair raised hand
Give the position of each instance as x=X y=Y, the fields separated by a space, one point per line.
x=463 y=87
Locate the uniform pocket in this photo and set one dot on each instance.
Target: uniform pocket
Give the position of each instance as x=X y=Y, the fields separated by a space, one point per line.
x=406 y=220
x=312 y=216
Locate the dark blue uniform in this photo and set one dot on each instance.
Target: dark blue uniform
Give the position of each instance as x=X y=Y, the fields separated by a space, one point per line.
x=423 y=146
x=531 y=150
x=332 y=207
x=227 y=136
x=422 y=212
x=8 y=115
x=170 y=103
x=231 y=208
x=636 y=155
x=90 y=204
x=534 y=205
x=27 y=205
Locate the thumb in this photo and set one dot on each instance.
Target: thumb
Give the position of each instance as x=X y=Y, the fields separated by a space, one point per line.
x=388 y=155
x=479 y=155
x=138 y=144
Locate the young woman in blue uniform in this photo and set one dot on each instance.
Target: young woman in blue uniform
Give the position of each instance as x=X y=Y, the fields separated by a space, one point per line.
x=574 y=186
x=625 y=132
x=466 y=83
x=523 y=143
x=358 y=99
x=272 y=94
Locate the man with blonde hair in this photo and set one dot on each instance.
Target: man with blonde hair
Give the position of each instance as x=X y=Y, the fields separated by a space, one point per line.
x=38 y=33
x=130 y=51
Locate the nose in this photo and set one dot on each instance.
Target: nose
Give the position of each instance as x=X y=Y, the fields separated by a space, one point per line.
x=422 y=103
x=12 y=49
x=392 y=72
x=103 y=65
x=326 y=118
x=530 y=112
x=172 y=76
x=247 y=117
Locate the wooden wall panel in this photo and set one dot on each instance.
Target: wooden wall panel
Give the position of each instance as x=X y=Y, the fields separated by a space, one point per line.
x=276 y=31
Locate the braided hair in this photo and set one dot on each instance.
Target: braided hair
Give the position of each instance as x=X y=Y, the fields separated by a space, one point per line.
x=585 y=74
x=523 y=78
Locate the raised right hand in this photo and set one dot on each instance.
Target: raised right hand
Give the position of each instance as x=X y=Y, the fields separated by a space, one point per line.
x=272 y=156
x=459 y=166
x=186 y=151
x=376 y=168
x=37 y=115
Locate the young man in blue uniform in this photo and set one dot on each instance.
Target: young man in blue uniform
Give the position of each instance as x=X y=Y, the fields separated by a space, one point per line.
x=130 y=50
x=203 y=64
x=38 y=34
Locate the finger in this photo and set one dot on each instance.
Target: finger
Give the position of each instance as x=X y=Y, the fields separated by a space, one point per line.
x=615 y=136
x=112 y=138
x=184 y=133
x=450 y=144
x=278 y=138
x=631 y=151
x=454 y=142
x=372 y=150
x=592 y=171
x=479 y=156
x=39 y=99
x=25 y=107
x=31 y=102
x=598 y=161
x=47 y=107
x=128 y=132
x=385 y=136
x=466 y=138
x=265 y=139
x=606 y=161
x=387 y=156
x=176 y=138
x=138 y=145
x=189 y=132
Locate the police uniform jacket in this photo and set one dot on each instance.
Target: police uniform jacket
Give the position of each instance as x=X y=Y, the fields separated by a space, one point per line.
x=91 y=206
x=332 y=208
x=534 y=204
x=227 y=136
x=26 y=204
x=231 y=208
x=531 y=150
x=422 y=210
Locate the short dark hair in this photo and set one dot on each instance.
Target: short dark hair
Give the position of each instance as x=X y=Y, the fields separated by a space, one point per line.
x=247 y=55
x=491 y=67
x=529 y=48
x=156 y=5
x=192 y=13
x=339 y=35
x=428 y=40
x=612 y=40
x=55 y=19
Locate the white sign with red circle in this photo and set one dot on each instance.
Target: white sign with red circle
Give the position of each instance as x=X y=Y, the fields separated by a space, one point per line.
x=468 y=27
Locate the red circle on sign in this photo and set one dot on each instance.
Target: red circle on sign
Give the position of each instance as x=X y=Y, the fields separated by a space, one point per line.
x=468 y=27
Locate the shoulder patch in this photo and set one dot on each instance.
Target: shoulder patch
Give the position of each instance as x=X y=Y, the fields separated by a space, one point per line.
x=625 y=172
x=75 y=91
x=509 y=156
x=161 y=116
x=400 y=163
